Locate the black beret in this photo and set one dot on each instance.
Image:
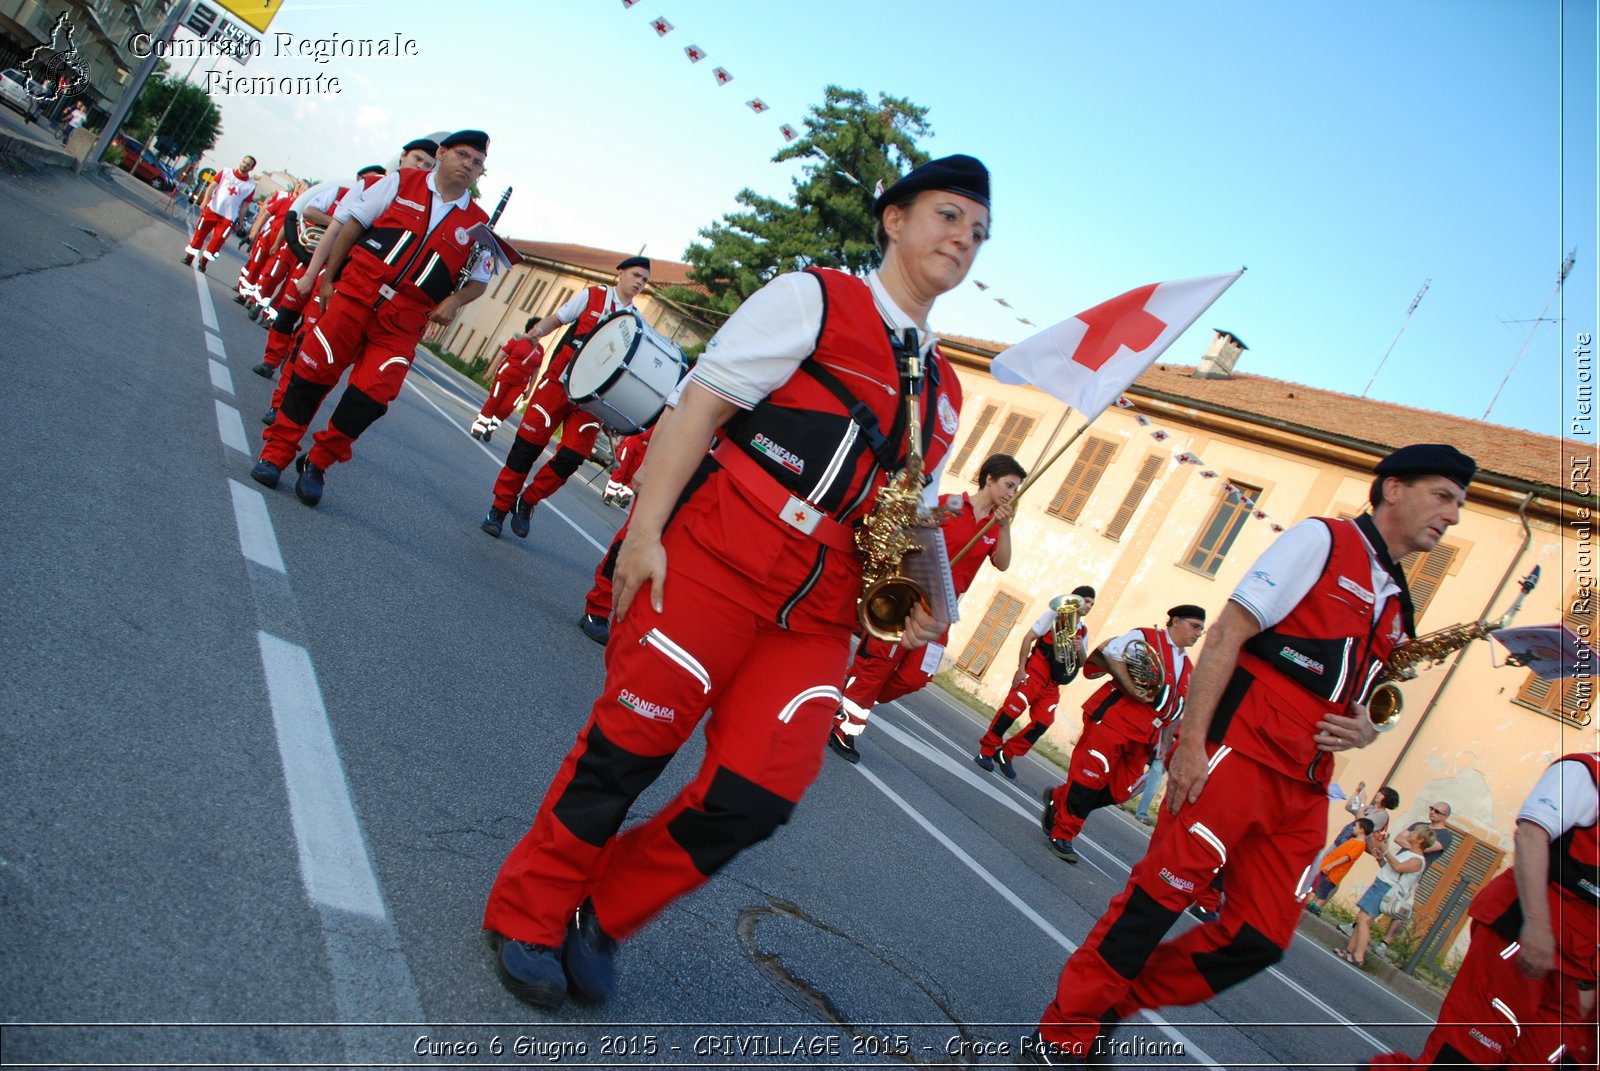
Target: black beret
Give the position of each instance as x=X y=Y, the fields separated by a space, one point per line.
x=476 y=139
x=372 y=169
x=1085 y=590
x=427 y=145
x=965 y=175
x=1188 y=610
x=1429 y=459
x=635 y=262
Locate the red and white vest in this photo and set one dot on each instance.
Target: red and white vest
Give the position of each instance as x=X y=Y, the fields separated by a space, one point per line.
x=233 y=190
x=400 y=259
x=1137 y=720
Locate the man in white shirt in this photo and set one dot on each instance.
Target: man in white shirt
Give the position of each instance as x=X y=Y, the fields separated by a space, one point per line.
x=228 y=198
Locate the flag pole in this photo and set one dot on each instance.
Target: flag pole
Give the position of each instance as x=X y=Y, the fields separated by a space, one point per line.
x=1025 y=485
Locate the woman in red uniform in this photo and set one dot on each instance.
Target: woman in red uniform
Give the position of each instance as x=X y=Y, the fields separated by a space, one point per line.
x=737 y=586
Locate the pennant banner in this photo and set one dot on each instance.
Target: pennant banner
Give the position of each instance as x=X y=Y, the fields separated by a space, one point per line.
x=694 y=53
x=662 y=27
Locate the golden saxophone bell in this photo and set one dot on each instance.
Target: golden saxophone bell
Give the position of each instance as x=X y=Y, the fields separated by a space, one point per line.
x=885 y=605
x=1384 y=707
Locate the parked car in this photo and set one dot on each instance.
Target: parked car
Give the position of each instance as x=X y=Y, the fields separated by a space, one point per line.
x=142 y=163
x=17 y=91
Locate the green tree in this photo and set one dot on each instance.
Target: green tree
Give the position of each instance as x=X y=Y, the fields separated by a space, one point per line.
x=850 y=145
x=190 y=121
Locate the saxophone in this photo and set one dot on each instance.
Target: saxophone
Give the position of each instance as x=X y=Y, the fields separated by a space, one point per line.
x=884 y=538
x=1428 y=651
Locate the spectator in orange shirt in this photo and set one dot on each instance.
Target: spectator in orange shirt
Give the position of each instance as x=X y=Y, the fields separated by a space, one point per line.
x=1337 y=863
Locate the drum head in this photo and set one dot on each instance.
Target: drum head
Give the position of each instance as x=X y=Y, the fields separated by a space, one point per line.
x=604 y=353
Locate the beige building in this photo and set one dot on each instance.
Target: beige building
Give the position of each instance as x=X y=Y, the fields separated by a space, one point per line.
x=549 y=274
x=1169 y=502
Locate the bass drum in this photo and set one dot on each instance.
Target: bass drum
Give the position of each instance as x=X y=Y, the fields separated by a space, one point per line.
x=623 y=373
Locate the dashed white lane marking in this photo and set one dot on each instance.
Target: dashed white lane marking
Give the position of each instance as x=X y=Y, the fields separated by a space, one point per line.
x=231 y=428
x=208 y=311
x=334 y=863
x=214 y=344
x=1186 y=1046
x=256 y=537
x=221 y=378
x=492 y=456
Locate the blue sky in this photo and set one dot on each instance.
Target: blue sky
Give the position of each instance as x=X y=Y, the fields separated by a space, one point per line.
x=1344 y=152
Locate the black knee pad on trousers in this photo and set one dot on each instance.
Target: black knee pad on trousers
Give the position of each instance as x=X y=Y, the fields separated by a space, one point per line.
x=356 y=412
x=737 y=813
x=1136 y=933
x=1001 y=723
x=1450 y=1056
x=1033 y=732
x=522 y=455
x=301 y=398
x=608 y=567
x=1083 y=800
x=604 y=785
x=1249 y=953
x=566 y=462
x=286 y=321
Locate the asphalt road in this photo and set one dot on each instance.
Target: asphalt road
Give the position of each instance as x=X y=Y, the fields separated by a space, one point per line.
x=263 y=761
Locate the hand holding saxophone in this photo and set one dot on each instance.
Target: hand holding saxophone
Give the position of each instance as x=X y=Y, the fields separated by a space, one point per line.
x=921 y=627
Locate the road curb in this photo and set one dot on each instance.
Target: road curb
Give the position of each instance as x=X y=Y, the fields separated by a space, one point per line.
x=32 y=152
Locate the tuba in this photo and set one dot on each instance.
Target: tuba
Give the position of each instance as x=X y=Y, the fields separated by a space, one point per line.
x=1424 y=652
x=1064 y=639
x=884 y=538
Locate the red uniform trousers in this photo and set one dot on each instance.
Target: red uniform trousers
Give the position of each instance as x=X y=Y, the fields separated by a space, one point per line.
x=630 y=455
x=1039 y=695
x=548 y=408
x=1496 y=1016
x=261 y=254
x=509 y=383
x=881 y=673
x=773 y=692
x=598 y=599
x=377 y=345
x=1267 y=828
x=1106 y=767
x=275 y=275
x=209 y=234
x=295 y=314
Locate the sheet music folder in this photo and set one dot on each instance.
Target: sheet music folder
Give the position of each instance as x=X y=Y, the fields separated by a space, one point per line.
x=931 y=569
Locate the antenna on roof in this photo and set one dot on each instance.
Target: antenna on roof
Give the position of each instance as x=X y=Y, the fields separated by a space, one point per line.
x=1566 y=267
x=1414 y=303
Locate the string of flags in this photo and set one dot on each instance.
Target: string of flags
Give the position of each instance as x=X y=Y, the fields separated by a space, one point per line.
x=1235 y=494
x=722 y=76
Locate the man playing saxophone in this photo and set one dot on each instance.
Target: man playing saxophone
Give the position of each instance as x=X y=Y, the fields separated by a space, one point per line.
x=1281 y=687
x=1059 y=648
x=1148 y=682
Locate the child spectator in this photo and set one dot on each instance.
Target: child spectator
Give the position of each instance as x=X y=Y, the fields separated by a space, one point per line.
x=1337 y=863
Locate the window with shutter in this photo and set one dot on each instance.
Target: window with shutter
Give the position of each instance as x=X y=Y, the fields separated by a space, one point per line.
x=1568 y=699
x=1223 y=527
x=973 y=436
x=1013 y=430
x=1468 y=859
x=1425 y=571
x=1130 y=502
x=1082 y=477
x=997 y=623
x=535 y=292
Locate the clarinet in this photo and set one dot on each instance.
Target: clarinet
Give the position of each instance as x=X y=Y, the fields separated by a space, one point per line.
x=478 y=247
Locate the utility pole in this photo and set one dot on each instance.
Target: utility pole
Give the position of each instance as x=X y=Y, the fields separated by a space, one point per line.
x=1566 y=266
x=1414 y=303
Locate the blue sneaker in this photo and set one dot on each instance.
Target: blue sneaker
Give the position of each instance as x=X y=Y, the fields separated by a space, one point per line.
x=532 y=973
x=589 y=954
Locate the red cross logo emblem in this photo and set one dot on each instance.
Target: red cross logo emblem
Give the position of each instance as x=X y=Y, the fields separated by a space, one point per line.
x=1122 y=321
x=799 y=516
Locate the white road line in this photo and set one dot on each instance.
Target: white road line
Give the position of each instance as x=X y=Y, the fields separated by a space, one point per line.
x=492 y=456
x=231 y=428
x=214 y=344
x=208 y=311
x=1188 y=1047
x=334 y=863
x=221 y=378
x=256 y=538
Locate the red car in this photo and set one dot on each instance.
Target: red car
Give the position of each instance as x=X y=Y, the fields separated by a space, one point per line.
x=142 y=164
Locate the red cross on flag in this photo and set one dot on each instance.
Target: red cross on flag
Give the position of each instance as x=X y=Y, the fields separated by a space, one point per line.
x=788 y=132
x=629 y=3
x=1159 y=436
x=758 y=105
x=1089 y=360
x=662 y=27
x=722 y=76
x=694 y=53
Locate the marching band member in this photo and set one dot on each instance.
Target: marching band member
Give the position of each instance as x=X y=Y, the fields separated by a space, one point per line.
x=549 y=407
x=737 y=587
x=265 y=234
x=519 y=360
x=400 y=249
x=1121 y=723
x=1036 y=687
x=229 y=195
x=882 y=672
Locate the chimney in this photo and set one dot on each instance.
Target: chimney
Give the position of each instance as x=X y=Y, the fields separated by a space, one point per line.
x=1221 y=357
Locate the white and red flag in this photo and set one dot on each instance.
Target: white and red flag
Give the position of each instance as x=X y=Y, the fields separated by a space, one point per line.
x=722 y=76
x=694 y=53
x=758 y=105
x=629 y=3
x=788 y=132
x=662 y=27
x=1089 y=360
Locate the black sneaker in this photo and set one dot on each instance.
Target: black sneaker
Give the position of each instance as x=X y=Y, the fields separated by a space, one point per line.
x=533 y=973
x=488 y=435
x=309 y=487
x=985 y=762
x=589 y=955
x=1202 y=914
x=843 y=746
x=1063 y=848
x=520 y=513
x=492 y=523
x=1005 y=766
x=266 y=473
x=1047 y=821
x=596 y=628
x=188 y=259
x=265 y=370
x=203 y=265
x=270 y=416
